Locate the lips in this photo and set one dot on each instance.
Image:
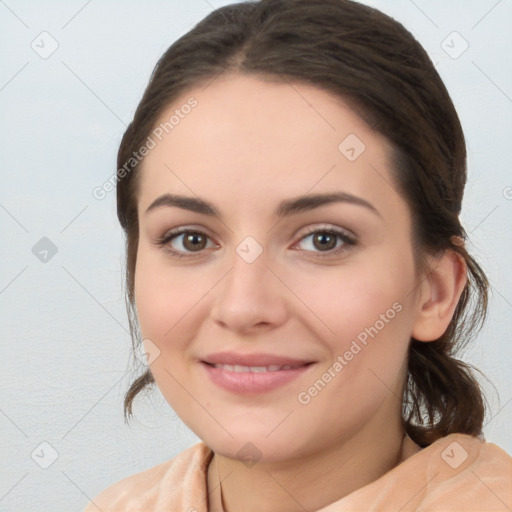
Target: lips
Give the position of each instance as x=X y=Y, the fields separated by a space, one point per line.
x=253 y=373
x=255 y=369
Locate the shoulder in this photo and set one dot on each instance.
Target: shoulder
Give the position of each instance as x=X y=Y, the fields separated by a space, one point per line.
x=457 y=473
x=176 y=484
x=467 y=473
x=461 y=453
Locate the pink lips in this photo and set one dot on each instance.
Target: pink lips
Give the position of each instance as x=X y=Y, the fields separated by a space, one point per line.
x=252 y=373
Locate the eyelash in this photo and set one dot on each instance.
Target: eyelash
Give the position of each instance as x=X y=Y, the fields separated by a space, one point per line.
x=348 y=241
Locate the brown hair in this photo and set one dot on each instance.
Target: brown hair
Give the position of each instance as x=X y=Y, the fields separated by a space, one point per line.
x=372 y=62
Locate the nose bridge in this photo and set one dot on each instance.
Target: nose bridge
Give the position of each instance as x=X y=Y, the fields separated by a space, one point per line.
x=248 y=262
x=249 y=294
x=248 y=277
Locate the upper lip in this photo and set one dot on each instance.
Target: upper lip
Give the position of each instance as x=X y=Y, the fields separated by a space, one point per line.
x=233 y=358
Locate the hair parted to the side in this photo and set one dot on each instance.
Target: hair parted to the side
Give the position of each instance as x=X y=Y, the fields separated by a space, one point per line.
x=375 y=65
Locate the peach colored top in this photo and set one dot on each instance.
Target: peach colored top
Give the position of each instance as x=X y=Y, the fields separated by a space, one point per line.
x=456 y=473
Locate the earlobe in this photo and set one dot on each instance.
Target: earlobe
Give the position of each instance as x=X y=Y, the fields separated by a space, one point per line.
x=440 y=293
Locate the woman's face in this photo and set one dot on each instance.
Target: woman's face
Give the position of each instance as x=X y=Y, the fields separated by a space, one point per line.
x=293 y=261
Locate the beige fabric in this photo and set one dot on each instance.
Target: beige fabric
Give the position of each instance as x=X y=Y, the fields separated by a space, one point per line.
x=456 y=473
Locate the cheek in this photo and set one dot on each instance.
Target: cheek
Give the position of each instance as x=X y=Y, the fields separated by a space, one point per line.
x=363 y=316
x=166 y=296
x=168 y=303
x=367 y=352
x=340 y=304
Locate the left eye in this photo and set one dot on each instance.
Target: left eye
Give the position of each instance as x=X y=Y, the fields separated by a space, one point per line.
x=326 y=240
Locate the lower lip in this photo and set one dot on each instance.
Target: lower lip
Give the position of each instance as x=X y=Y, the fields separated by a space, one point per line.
x=252 y=382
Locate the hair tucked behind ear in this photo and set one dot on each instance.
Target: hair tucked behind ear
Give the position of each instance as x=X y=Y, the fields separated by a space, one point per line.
x=441 y=394
x=375 y=65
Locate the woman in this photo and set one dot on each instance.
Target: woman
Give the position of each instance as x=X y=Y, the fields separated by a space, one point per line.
x=290 y=189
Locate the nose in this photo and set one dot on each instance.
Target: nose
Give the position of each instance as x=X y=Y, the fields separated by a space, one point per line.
x=250 y=298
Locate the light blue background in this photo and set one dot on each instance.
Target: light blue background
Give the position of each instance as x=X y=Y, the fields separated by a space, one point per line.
x=66 y=360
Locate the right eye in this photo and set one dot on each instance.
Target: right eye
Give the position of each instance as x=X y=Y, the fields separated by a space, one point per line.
x=184 y=242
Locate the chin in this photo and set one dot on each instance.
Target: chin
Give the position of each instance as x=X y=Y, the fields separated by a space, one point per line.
x=251 y=447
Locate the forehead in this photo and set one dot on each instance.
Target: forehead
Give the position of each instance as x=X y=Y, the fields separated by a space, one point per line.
x=252 y=136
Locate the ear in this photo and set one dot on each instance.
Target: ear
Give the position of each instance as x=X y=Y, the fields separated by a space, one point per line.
x=439 y=294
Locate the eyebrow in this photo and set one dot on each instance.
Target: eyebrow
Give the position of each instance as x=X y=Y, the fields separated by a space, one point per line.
x=286 y=208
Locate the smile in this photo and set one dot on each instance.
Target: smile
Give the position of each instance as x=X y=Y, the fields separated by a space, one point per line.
x=252 y=380
x=255 y=369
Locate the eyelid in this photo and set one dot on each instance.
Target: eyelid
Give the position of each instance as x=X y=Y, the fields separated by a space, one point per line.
x=327 y=228
x=189 y=228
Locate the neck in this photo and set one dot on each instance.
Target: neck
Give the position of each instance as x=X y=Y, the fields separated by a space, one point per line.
x=311 y=482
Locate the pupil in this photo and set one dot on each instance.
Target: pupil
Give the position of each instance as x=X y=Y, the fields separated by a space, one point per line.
x=323 y=238
x=193 y=240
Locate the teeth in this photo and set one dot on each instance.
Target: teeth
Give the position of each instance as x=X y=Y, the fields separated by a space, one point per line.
x=254 y=369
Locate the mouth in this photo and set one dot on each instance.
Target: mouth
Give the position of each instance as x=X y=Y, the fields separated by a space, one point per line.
x=251 y=379
x=256 y=369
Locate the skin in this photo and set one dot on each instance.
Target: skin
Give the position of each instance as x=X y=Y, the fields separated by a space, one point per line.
x=248 y=145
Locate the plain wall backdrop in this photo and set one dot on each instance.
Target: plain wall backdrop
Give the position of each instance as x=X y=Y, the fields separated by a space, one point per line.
x=66 y=360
